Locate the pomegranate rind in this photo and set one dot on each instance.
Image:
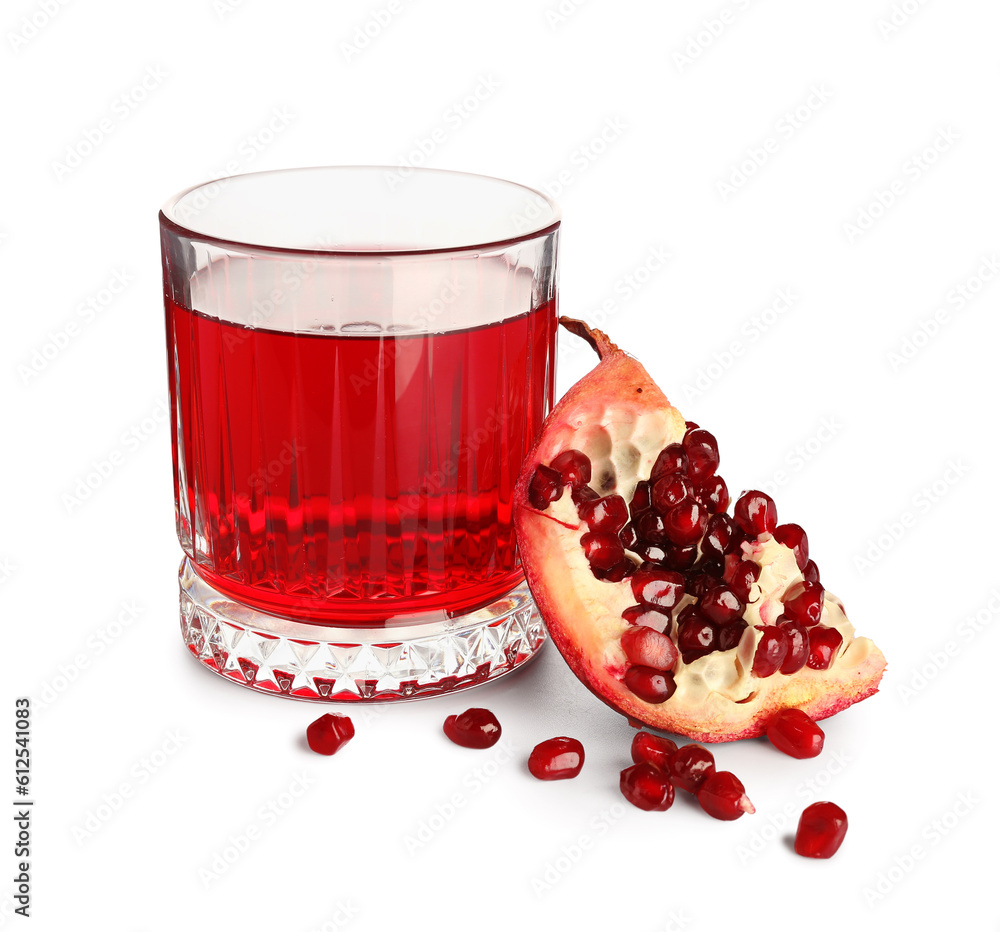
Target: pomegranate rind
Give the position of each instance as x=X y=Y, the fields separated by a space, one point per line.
x=619 y=417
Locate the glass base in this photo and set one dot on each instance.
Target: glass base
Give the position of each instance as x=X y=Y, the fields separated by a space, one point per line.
x=285 y=657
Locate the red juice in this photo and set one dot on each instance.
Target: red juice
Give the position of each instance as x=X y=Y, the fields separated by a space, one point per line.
x=355 y=478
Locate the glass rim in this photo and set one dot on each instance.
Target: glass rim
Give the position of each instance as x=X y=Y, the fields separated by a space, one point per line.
x=169 y=222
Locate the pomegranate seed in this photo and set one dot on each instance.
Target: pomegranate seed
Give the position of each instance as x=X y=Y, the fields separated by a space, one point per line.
x=616 y=573
x=803 y=602
x=607 y=515
x=699 y=583
x=329 y=733
x=823 y=646
x=584 y=493
x=686 y=523
x=795 y=733
x=731 y=635
x=546 y=487
x=722 y=796
x=652 y=528
x=573 y=466
x=647 y=787
x=792 y=536
x=772 y=648
x=696 y=637
x=556 y=759
x=657 y=587
x=652 y=686
x=742 y=577
x=628 y=536
x=602 y=550
x=652 y=553
x=672 y=461
x=652 y=749
x=702 y=452
x=690 y=766
x=713 y=493
x=821 y=831
x=646 y=647
x=641 y=498
x=798 y=646
x=670 y=491
x=474 y=728
x=811 y=572
x=681 y=558
x=648 y=617
x=719 y=536
x=755 y=513
x=721 y=605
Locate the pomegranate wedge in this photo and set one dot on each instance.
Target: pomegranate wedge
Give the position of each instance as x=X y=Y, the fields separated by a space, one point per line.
x=753 y=630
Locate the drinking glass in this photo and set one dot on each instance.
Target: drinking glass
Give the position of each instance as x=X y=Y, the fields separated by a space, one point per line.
x=358 y=364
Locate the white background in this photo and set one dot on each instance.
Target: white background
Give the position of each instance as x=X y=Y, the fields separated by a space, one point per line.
x=811 y=401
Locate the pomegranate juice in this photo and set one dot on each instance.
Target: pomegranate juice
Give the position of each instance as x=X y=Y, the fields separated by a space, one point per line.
x=356 y=477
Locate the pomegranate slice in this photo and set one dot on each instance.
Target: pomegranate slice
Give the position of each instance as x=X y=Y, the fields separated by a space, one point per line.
x=717 y=582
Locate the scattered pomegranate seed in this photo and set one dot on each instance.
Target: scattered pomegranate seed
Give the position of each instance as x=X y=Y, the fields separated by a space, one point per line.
x=686 y=522
x=794 y=537
x=811 y=572
x=798 y=646
x=713 y=493
x=772 y=648
x=645 y=647
x=657 y=587
x=689 y=767
x=721 y=605
x=546 y=487
x=670 y=491
x=652 y=749
x=573 y=466
x=556 y=759
x=672 y=460
x=647 y=787
x=653 y=686
x=821 y=831
x=795 y=733
x=803 y=602
x=602 y=550
x=473 y=728
x=329 y=733
x=742 y=577
x=722 y=796
x=823 y=646
x=608 y=515
x=702 y=452
x=756 y=513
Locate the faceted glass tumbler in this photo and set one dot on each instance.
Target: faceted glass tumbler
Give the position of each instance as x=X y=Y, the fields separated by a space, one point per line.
x=358 y=365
